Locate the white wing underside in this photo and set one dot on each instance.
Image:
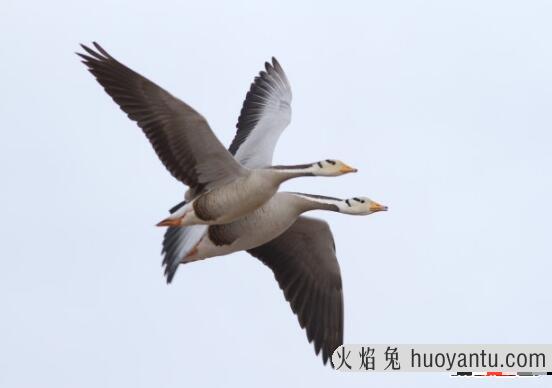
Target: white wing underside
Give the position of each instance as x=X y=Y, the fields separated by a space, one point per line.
x=265 y=113
x=257 y=151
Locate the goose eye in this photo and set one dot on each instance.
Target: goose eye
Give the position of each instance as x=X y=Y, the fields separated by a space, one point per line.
x=332 y=162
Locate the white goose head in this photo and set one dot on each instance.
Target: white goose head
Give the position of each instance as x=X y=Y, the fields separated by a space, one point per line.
x=331 y=167
x=361 y=206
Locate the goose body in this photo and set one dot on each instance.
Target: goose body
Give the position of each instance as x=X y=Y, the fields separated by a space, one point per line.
x=256 y=228
x=220 y=188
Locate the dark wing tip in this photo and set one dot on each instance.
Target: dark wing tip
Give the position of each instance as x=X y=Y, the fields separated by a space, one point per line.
x=169 y=274
x=275 y=63
x=102 y=50
x=85 y=58
x=170 y=270
x=91 y=52
x=93 y=55
x=279 y=69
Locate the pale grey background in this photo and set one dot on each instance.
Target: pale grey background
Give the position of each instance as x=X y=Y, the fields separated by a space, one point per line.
x=443 y=105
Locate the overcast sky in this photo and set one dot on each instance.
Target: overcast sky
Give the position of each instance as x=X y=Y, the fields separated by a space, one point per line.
x=444 y=106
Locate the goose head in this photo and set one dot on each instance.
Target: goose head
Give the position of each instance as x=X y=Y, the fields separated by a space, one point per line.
x=331 y=167
x=361 y=206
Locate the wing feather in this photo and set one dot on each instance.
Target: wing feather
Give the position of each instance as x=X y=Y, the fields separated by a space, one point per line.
x=304 y=263
x=180 y=136
x=266 y=112
x=177 y=243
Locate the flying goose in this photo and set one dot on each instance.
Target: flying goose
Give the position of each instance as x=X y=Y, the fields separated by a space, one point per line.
x=302 y=258
x=220 y=188
x=258 y=227
x=246 y=193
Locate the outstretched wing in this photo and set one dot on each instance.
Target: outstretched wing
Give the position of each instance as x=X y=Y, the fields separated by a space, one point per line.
x=180 y=136
x=305 y=265
x=266 y=112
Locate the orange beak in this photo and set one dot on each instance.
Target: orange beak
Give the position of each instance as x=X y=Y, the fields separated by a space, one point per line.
x=376 y=207
x=346 y=169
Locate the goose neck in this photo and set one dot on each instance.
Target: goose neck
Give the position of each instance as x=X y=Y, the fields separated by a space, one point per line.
x=285 y=173
x=307 y=202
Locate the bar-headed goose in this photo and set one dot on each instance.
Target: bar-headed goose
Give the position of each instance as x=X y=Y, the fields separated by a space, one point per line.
x=261 y=226
x=221 y=189
x=302 y=258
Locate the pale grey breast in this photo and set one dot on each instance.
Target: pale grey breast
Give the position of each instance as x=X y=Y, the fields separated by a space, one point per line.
x=260 y=226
